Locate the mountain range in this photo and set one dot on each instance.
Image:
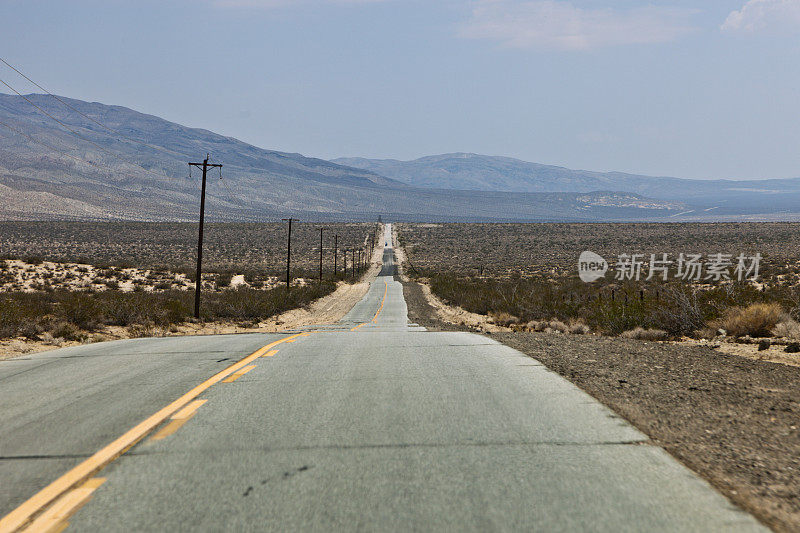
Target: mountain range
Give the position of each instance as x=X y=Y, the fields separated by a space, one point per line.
x=71 y=159
x=721 y=197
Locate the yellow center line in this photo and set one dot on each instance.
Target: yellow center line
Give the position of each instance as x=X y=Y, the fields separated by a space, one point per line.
x=54 y=519
x=385 y=290
x=270 y=353
x=237 y=375
x=189 y=410
x=378 y=312
x=23 y=514
x=179 y=419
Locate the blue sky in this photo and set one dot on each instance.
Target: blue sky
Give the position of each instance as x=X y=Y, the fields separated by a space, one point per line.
x=691 y=89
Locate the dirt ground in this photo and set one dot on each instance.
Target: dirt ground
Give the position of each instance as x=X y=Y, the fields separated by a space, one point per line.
x=732 y=419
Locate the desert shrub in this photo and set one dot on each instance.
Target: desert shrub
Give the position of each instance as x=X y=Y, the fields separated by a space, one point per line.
x=681 y=312
x=756 y=320
x=577 y=327
x=177 y=310
x=503 y=319
x=643 y=334
x=557 y=326
x=788 y=328
x=66 y=331
x=83 y=310
x=147 y=329
x=223 y=279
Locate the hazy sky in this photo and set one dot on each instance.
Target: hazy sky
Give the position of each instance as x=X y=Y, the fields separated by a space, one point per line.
x=665 y=87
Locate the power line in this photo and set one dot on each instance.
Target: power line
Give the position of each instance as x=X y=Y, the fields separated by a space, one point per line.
x=79 y=136
x=81 y=113
x=54 y=118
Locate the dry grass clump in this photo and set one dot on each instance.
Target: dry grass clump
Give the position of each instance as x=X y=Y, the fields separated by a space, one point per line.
x=643 y=334
x=577 y=327
x=787 y=328
x=756 y=320
x=556 y=326
x=503 y=319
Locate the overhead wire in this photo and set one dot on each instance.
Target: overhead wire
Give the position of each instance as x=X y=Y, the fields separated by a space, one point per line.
x=81 y=137
x=233 y=197
x=84 y=115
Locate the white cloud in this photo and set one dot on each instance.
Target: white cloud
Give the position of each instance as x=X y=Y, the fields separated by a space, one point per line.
x=757 y=15
x=558 y=24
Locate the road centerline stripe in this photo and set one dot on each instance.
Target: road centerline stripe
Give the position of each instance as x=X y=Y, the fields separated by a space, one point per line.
x=233 y=377
x=178 y=420
x=23 y=514
x=380 y=308
x=53 y=519
x=383 y=301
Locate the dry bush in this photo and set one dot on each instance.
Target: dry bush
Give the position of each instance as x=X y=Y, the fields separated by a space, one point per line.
x=147 y=329
x=533 y=325
x=557 y=326
x=643 y=334
x=756 y=320
x=577 y=327
x=66 y=331
x=501 y=318
x=787 y=328
x=681 y=312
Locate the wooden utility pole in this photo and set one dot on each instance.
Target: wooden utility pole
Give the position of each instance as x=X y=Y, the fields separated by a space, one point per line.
x=289 y=252
x=198 y=284
x=335 y=256
x=320 y=254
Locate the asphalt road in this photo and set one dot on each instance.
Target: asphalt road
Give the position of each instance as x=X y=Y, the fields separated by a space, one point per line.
x=371 y=424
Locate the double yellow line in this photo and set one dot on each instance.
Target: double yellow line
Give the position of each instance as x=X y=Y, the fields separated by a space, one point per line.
x=20 y=516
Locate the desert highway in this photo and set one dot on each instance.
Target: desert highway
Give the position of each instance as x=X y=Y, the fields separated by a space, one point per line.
x=369 y=424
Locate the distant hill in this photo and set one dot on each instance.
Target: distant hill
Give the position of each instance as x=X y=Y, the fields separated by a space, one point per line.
x=465 y=171
x=128 y=180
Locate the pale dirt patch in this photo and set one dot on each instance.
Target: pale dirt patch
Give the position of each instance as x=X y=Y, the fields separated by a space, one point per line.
x=238 y=281
x=773 y=354
x=399 y=255
x=459 y=316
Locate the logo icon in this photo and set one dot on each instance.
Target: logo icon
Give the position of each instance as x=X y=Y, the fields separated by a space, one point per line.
x=591 y=267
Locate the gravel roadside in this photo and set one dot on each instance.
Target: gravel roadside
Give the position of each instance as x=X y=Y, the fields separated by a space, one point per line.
x=731 y=419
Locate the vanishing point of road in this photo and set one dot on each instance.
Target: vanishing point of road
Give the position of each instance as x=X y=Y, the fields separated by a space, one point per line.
x=370 y=424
